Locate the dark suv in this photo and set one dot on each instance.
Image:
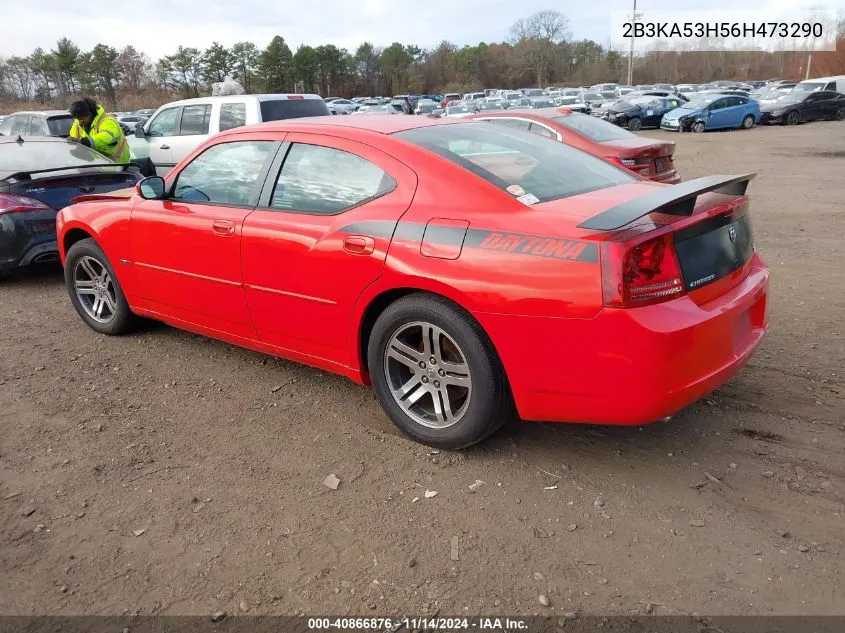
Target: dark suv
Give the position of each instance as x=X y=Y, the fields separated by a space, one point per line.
x=48 y=123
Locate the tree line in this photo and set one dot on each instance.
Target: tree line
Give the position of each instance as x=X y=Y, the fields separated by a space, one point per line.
x=540 y=52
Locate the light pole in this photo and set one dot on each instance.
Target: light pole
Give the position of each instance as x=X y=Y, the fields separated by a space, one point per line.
x=631 y=52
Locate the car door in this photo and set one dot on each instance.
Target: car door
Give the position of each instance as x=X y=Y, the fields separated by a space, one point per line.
x=193 y=130
x=186 y=248
x=158 y=135
x=811 y=109
x=718 y=114
x=318 y=238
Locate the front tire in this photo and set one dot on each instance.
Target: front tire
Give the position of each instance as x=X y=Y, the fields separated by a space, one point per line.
x=635 y=124
x=698 y=127
x=436 y=374
x=792 y=118
x=840 y=114
x=94 y=290
x=748 y=122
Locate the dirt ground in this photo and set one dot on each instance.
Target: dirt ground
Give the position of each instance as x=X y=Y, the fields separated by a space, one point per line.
x=163 y=472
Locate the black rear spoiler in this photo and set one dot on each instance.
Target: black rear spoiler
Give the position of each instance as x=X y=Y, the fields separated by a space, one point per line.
x=676 y=200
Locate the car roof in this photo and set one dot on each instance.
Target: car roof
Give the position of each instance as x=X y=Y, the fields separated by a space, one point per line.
x=237 y=98
x=380 y=124
x=47 y=113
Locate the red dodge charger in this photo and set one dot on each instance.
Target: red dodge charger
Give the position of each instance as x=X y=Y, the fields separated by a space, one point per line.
x=462 y=269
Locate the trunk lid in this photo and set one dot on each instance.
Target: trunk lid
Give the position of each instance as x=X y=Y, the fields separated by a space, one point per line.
x=652 y=158
x=59 y=191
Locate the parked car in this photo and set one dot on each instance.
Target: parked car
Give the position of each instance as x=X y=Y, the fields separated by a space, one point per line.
x=573 y=104
x=713 y=112
x=640 y=112
x=645 y=157
x=450 y=96
x=38 y=176
x=459 y=110
x=593 y=99
x=128 y=122
x=147 y=112
x=454 y=322
x=426 y=106
x=342 y=106
x=473 y=96
x=492 y=106
x=533 y=92
x=799 y=107
x=177 y=128
x=541 y=102
x=387 y=108
x=47 y=123
x=836 y=84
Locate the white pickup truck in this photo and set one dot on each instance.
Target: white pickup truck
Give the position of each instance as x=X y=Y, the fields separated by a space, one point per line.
x=177 y=128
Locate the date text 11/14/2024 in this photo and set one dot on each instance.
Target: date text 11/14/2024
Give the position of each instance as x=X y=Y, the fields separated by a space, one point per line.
x=391 y=625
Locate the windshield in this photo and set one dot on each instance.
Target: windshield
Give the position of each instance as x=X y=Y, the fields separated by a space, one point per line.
x=806 y=86
x=700 y=102
x=593 y=128
x=506 y=157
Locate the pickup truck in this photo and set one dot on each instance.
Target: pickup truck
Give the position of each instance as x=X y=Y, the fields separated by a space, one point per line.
x=177 y=128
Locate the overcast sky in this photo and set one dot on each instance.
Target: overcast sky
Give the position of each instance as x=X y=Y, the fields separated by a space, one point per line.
x=157 y=27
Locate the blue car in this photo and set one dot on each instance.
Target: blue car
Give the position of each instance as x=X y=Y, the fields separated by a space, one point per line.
x=713 y=112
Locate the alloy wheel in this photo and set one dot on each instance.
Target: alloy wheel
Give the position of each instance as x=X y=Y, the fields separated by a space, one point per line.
x=94 y=289
x=428 y=375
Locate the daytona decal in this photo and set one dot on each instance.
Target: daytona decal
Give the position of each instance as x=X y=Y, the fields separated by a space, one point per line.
x=537 y=246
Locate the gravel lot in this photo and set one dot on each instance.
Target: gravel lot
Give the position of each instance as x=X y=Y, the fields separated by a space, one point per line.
x=163 y=472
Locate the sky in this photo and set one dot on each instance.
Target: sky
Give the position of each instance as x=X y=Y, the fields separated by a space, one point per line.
x=157 y=27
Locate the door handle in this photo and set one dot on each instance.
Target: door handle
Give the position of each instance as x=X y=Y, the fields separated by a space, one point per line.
x=359 y=244
x=224 y=228
x=164 y=146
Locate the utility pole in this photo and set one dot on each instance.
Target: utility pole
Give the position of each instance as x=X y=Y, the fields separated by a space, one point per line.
x=631 y=53
x=809 y=62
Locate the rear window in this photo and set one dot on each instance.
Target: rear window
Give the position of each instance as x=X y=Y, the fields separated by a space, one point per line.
x=278 y=109
x=60 y=125
x=593 y=128
x=540 y=168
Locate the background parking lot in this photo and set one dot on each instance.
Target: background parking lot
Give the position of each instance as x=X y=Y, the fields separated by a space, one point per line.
x=168 y=473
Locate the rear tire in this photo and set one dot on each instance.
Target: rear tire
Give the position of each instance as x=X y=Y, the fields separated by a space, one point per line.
x=748 y=122
x=466 y=378
x=635 y=124
x=94 y=290
x=840 y=114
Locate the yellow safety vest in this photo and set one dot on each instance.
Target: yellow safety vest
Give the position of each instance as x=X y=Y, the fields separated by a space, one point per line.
x=106 y=136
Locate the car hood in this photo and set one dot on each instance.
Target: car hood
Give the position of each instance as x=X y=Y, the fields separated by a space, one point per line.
x=776 y=105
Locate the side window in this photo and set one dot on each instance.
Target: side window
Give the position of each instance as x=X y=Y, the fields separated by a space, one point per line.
x=6 y=126
x=226 y=173
x=718 y=105
x=542 y=130
x=20 y=124
x=324 y=180
x=232 y=115
x=164 y=124
x=38 y=126
x=516 y=124
x=830 y=86
x=195 y=120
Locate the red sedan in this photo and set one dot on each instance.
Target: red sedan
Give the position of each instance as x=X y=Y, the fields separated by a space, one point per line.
x=644 y=156
x=460 y=268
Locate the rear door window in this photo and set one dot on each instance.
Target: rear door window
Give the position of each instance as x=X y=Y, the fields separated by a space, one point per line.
x=232 y=115
x=60 y=125
x=542 y=130
x=517 y=124
x=327 y=181
x=195 y=120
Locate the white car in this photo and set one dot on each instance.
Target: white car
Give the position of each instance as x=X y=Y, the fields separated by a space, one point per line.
x=177 y=128
x=342 y=106
x=459 y=111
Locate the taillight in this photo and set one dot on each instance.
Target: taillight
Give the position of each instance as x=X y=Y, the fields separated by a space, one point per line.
x=11 y=203
x=640 y=274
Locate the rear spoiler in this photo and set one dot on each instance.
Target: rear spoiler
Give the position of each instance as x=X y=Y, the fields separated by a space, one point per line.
x=675 y=200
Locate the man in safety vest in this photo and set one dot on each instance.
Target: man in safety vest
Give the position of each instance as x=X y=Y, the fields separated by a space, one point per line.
x=98 y=130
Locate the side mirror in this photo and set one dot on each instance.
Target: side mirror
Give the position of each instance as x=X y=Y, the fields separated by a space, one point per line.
x=151 y=188
x=139 y=131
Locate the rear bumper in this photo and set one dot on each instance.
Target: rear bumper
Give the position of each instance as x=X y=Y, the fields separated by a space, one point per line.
x=630 y=367
x=26 y=238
